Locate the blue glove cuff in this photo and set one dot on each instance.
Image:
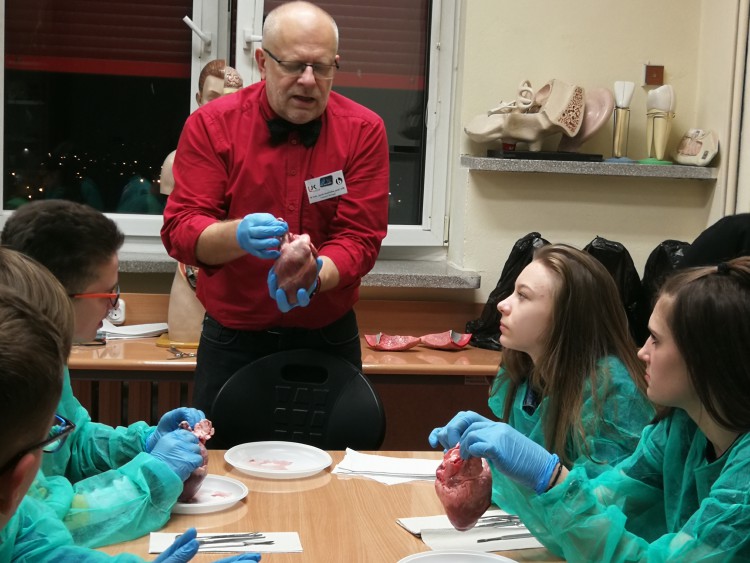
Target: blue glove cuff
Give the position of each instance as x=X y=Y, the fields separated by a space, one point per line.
x=546 y=475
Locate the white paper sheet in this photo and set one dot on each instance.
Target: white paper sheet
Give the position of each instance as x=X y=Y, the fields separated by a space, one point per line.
x=113 y=332
x=284 y=542
x=385 y=469
x=438 y=534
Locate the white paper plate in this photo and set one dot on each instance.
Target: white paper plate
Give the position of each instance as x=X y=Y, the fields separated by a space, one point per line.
x=278 y=460
x=451 y=556
x=216 y=493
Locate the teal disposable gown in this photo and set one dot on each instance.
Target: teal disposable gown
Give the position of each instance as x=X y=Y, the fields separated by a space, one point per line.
x=612 y=433
x=666 y=502
x=101 y=483
x=35 y=534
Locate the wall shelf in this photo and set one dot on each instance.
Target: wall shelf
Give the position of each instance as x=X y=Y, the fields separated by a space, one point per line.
x=675 y=171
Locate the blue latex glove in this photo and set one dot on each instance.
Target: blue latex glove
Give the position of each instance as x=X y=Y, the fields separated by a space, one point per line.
x=171 y=421
x=180 y=451
x=511 y=453
x=242 y=557
x=182 y=550
x=258 y=234
x=303 y=295
x=449 y=435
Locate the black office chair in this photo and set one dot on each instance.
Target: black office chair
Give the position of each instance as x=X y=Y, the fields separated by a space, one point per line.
x=301 y=396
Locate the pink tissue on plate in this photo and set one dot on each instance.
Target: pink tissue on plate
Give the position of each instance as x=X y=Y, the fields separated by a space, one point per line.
x=203 y=431
x=390 y=343
x=448 y=340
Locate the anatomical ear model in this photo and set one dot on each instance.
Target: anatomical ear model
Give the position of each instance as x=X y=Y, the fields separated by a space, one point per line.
x=557 y=107
x=660 y=105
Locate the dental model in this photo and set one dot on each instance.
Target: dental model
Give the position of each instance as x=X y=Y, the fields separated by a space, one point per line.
x=660 y=105
x=623 y=96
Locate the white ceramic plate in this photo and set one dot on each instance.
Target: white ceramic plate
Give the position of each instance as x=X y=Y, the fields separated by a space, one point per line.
x=455 y=557
x=216 y=493
x=278 y=460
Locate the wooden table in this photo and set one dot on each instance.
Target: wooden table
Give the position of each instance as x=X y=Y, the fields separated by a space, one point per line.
x=339 y=520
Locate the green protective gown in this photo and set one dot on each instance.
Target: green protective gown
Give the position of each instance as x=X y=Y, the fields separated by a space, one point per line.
x=101 y=483
x=35 y=534
x=612 y=432
x=666 y=502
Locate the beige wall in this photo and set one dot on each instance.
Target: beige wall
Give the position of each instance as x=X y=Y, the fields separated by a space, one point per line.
x=591 y=43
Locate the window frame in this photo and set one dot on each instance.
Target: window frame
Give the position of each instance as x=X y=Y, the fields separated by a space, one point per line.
x=143 y=231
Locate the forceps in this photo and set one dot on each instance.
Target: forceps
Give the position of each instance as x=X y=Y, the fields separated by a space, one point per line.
x=178 y=354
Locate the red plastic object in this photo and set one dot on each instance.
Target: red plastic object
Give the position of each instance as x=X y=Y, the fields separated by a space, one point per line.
x=448 y=340
x=390 y=343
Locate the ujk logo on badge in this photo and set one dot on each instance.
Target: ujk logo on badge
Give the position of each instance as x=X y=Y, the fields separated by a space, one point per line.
x=326 y=186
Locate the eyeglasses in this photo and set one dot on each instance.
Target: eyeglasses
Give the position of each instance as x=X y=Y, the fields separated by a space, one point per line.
x=56 y=438
x=113 y=297
x=293 y=68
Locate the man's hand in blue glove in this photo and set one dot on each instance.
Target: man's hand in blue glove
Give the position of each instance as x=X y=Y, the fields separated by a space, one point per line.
x=258 y=234
x=182 y=550
x=171 y=421
x=180 y=451
x=512 y=453
x=303 y=295
x=449 y=435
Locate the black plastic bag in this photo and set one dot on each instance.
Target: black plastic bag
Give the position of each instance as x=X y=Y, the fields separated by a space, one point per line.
x=485 y=331
x=617 y=260
x=662 y=261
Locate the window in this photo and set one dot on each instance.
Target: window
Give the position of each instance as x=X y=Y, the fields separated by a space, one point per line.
x=95 y=95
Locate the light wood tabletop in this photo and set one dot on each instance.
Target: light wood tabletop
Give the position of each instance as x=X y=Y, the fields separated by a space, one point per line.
x=339 y=520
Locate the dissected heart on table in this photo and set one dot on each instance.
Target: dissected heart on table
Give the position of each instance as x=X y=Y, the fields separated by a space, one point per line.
x=464 y=487
x=390 y=343
x=448 y=340
x=203 y=431
x=296 y=268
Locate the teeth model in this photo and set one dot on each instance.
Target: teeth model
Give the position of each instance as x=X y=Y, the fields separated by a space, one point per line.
x=660 y=105
x=623 y=95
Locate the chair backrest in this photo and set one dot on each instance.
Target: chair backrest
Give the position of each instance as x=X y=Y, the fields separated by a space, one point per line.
x=301 y=396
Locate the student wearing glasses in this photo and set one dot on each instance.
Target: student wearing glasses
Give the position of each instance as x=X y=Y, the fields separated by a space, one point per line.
x=107 y=484
x=284 y=155
x=32 y=380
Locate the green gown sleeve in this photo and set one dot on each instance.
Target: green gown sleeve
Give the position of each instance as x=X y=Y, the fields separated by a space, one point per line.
x=613 y=424
x=36 y=535
x=118 y=492
x=663 y=503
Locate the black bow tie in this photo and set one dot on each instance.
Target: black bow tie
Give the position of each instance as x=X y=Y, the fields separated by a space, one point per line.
x=280 y=129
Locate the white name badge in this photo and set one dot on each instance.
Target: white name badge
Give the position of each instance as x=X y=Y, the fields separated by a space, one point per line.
x=325 y=187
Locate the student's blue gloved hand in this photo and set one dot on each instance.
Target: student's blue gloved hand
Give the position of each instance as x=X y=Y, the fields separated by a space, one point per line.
x=512 y=453
x=241 y=557
x=258 y=234
x=180 y=451
x=449 y=435
x=303 y=295
x=171 y=421
x=183 y=549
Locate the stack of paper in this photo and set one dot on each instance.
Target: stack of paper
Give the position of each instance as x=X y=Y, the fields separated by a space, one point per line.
x=112 y=332
x=496 y=531
x=385 y=469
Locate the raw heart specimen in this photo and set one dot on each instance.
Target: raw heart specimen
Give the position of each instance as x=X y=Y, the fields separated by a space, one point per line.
x=448 y=340
x=203 y=430
x=382 y=341
x=464 y=486
x=296 y=268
